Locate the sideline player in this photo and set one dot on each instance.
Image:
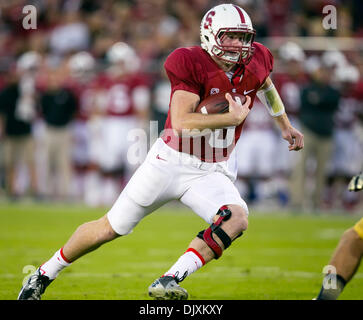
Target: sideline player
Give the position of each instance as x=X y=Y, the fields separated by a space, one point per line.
x=84 y=81
x=124 y=98
x=175 y=168
x=348 y=254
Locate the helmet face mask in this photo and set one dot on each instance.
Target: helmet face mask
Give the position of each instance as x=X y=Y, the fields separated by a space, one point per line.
x=218 y=24
x=234 y=54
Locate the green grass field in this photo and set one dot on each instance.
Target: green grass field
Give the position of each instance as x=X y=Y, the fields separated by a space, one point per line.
x=281 y=256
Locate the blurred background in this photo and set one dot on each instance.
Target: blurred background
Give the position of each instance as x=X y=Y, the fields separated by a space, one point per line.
x=72 y=89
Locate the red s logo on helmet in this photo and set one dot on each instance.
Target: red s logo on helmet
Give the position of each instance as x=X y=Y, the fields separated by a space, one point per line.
x=208 y=19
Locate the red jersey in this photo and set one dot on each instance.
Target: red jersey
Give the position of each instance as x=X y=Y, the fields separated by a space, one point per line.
x=86 y=94
x=119 y=97
x=192 y=69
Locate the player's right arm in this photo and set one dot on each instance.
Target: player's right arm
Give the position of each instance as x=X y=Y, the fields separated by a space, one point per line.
x=187 y=78
x=183 y=117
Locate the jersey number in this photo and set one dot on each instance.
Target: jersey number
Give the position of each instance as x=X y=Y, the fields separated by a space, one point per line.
x=215 y=140
x=118 y=99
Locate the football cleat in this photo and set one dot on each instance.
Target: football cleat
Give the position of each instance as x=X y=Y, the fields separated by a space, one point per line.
x=35 y=287
x=166 y=288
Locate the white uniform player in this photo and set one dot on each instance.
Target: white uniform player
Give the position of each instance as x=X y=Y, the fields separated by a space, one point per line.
x=186 y=166
x=289 y=80
x=258 y=162
x=124 y=101
x=86 y=134
x=347 y=153
x=82 y=74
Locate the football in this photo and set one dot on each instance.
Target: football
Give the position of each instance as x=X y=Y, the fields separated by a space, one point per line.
x=217 y=103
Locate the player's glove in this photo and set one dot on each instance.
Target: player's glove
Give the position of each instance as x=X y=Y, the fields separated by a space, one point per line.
x=356 y=183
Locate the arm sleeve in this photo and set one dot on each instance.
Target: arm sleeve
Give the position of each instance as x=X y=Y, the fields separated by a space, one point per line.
x=270 y=98
x=182 y=72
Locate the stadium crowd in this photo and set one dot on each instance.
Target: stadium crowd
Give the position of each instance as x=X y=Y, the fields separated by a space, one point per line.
x=75 y=92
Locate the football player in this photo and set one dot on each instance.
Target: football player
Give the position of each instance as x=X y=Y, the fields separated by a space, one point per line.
x=289 y=80
x=347 y=152
x=83 y=83
x=255 y=172
x=347 y=255
x=18 y=102
x=124 y=102
x=176 y=167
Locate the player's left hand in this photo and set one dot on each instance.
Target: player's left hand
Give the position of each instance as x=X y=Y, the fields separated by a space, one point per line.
x=294 y=137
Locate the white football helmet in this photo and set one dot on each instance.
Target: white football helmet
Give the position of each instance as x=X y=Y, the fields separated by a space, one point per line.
x=81 y=64
x=334 y=59
x=122 y=53
x=347 y=74
x=291 y=51
x=28 y=61
x=219 y=21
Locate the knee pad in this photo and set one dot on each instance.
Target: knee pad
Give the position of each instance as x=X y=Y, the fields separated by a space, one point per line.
x=207 y=234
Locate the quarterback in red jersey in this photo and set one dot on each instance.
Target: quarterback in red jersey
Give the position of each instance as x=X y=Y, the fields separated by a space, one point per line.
x=197 y=72
x=207 y=78
x=229 y=60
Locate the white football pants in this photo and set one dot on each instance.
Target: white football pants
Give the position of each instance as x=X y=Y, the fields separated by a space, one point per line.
x=166 y=175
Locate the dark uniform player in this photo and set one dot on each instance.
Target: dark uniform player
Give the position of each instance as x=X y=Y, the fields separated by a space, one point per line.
x=347 y=255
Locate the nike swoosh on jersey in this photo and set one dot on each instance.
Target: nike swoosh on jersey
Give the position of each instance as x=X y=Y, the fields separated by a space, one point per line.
x=247 y=92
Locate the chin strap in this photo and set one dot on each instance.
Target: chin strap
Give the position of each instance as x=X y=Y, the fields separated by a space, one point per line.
x=238 y=74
